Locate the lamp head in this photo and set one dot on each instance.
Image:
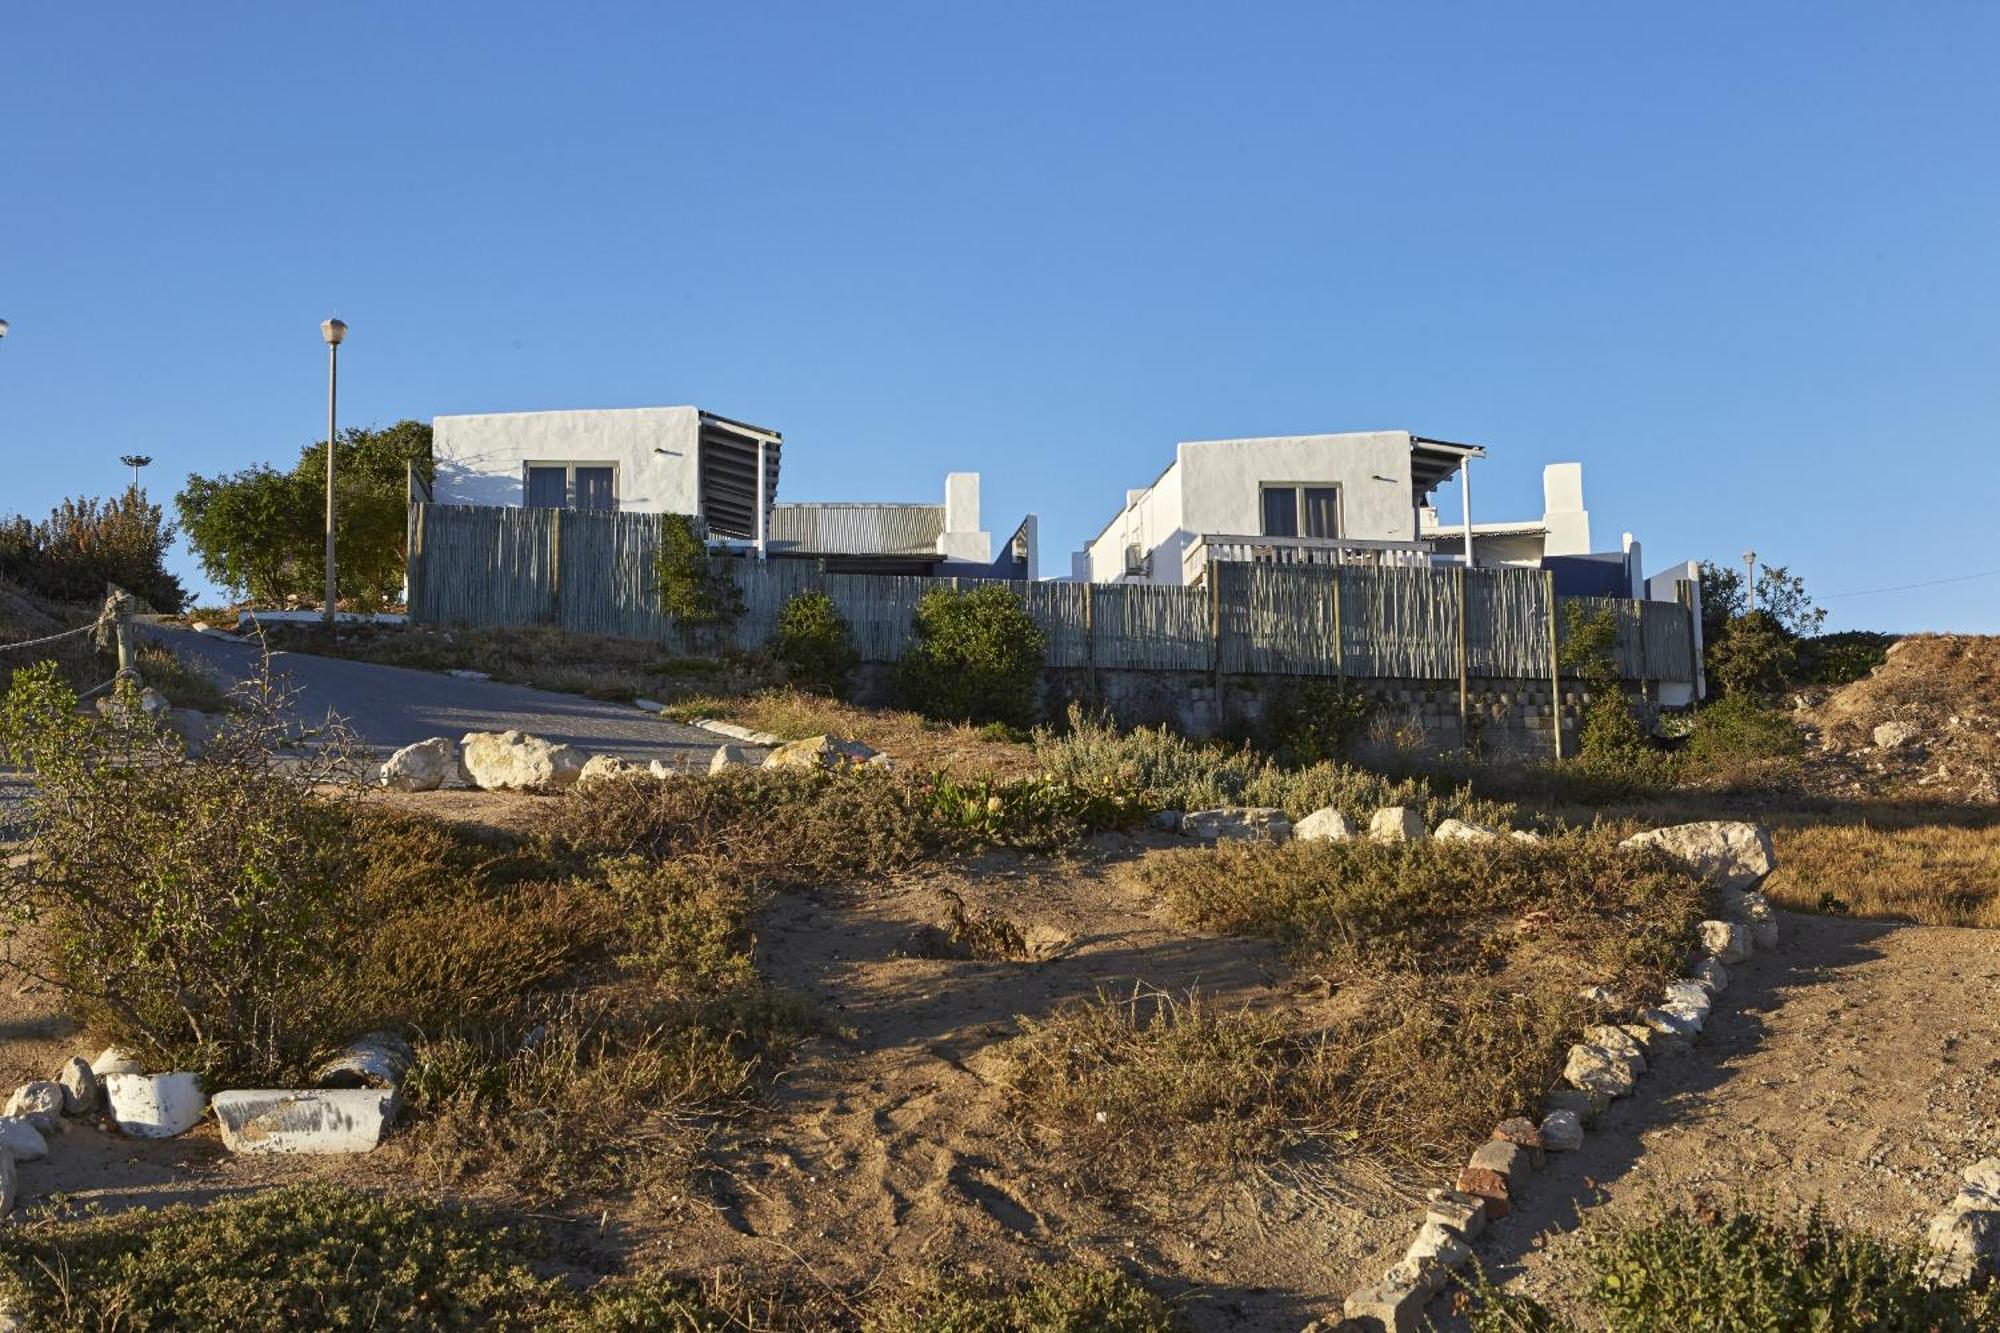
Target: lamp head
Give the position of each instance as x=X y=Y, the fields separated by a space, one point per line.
x=3 y=328
x=333 y=331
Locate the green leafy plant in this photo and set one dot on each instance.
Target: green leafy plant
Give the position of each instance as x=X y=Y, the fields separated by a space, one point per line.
x=1611 y=739
x=692 y=590
x=192 y=905
x=1315 y=721
x=261 y=532
x=86 y=543
x=814 y=644
x=977 y=657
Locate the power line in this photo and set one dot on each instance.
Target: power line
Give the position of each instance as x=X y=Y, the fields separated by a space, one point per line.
x=1905 y=587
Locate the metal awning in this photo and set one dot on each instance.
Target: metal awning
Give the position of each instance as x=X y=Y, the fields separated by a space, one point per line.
x=1434 y=462
x=729 y=452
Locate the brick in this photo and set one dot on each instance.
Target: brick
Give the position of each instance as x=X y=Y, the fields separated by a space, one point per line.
x=1488 y=1185
x=1509 y=1159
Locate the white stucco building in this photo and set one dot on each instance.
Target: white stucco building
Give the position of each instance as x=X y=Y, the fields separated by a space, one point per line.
x=875 y=537
x=1309 y=499
x=1563 y=528
x=675 y=460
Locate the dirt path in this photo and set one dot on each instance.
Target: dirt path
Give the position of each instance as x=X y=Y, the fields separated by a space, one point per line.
x=1858 y=1067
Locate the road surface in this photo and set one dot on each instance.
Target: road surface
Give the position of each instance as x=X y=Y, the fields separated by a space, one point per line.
x=388 y=707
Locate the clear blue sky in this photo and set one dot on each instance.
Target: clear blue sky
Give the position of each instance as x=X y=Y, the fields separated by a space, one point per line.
x=1742 y=261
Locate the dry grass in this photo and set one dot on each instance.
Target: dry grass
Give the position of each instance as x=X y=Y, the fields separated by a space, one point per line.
x=955 y=748
x=1933 y=874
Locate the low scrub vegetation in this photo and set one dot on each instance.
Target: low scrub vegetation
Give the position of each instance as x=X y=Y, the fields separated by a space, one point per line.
x=1168 y=770
x=956 y=748
x=86 y=543
x=977 y=657
x=1932 y=873
x=814 y=645
x=1740 y=1270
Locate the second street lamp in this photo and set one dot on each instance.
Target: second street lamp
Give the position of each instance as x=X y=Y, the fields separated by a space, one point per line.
x=333 y=331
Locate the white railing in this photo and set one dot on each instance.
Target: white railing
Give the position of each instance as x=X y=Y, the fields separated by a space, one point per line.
x=1229 y=548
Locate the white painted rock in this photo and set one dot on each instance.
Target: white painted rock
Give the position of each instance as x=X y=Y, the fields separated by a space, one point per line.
x=1237 y=823
x=424 y=766
x=819 y=752
x=155 y=1106
x=1594 y=1069
x=1619 y=1042
x=1712 y=976
x=1457 y=830
x=1324 y=825
x=22 y=1140
x=304 y=1120
x=1728 y=942
x=464 y=673
x=1396 y=823
x=1692 y=994
x=1729 y=853
x=516 y=761
x=604 y=768
x=726 y=757
x=1674 y=1020
x=116 y=1060
x=378 y=1060
x=1562 y=1131
x=649 y=705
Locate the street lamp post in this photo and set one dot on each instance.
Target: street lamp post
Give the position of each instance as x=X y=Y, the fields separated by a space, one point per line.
x=333 y=331
x=1750 y=567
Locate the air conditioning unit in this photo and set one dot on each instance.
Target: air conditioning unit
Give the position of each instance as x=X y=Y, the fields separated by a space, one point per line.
x=1138 y=564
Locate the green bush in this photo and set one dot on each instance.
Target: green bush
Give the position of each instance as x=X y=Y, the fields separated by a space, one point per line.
x=977 y=657
x=1757 y=657
x=193 y=905
x=1315 y=721
x=1738 y=1270
x=1168 y=770
x=1838 y=659
x=692 y=590
x=1611 y=740
x=1737 y=727
x=814 y=644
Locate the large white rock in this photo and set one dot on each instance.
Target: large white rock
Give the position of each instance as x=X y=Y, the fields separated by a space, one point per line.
x=155 y=1106
x=1729 y=853
x=116 y=1060
x=1243 y=823
x=1594 y=1069
x=1562 y=1131
x=1712 y=976
x=424 y=766
x=516 y=761
x=22 y=1140
x=605 y=768
x=1619 y=1042
x=40 y=1098
x=1675 y=1020
x=1457 y=830
x=726 y=757
x=1726 y=941
x=819 y=752
x=304 y=1120
x=1396 y=823
x=1324 y=825
x=378 y=1060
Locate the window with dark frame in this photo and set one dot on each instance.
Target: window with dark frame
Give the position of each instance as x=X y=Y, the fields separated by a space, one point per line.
x=1301 y=511
x=571 y=486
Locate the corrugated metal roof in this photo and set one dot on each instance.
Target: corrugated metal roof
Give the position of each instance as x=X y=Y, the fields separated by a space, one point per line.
x=857 y=529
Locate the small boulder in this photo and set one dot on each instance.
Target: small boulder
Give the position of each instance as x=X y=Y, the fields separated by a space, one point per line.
x=1393 y=1309
x=1728 y=942
x=516 y=761
x=116 y=1060
x=1509 y=1159
x=1457 y=830
x=155 y=1106
x=1488 y=1185
x=43 y=1097
x=80 y=1088
x=378 y=1060
x=424 y=766
x=1893 y=735
x=1619 y=1042
x=1675 y=1020
x=1239 y=823
x=1439 y=1246
x=1518 y=1129
x=1594 y=1069
x=604 y=768
x=1463 y=1213
x=1583 y=1103
x=1396 y=823
x=1729 y=853
x=1562 y=1131
x=1712 y=976
x=1965 y=1241
x=726 y=757
x=1324 y=825
x=819 y=752
x=661 y=770
x=22 y=1141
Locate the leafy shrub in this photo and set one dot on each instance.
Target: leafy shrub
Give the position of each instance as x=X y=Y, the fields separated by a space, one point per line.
x=1166 y=769
x=302 y=1256
x=977 y=657
x=1757 y=657
x=1840 y=659
x=193 y=904
x=814 y=645
x=1315 y=721
x=692 y=590
x=1065 y=1298
x=1738 y=1270
x=87 y=543
x=1737 y=727
x=1039 y=812
x=1611 y=740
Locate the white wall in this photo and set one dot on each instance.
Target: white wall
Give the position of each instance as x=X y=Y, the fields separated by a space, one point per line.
x=1214 y=486
x=962 y=538
x=482 y=459
x=1563 y=513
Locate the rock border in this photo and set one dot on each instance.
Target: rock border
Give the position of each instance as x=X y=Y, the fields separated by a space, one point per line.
x=1605 y=1065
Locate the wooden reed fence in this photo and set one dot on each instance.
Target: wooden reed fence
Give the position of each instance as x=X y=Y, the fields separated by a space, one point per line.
x=593 y=573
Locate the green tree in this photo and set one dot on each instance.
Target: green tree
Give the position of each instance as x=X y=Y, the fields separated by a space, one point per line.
x=261 y=533
x=815 y=645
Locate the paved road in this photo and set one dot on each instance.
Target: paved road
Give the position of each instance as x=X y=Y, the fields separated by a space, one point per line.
x=388 y=707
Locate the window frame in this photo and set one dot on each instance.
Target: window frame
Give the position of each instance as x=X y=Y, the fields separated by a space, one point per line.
x=1298 y=491
x=569 y=470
